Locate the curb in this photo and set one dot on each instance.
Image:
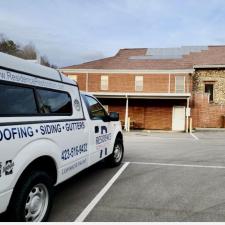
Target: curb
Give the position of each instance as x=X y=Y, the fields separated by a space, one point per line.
x=210 y=129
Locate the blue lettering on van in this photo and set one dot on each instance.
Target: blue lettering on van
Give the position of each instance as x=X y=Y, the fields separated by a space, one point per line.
x=104 y=130
x=101 y=153
x=50 y=129
x=74 y=151
x=103 y=138
x=16 y=132
x=74 y=166
x=74 y=126
x=12 y=133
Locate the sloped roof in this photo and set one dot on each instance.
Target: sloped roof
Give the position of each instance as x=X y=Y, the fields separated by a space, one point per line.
x=185 y=57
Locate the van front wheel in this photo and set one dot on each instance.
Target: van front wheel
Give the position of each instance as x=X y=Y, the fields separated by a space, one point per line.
x=116 y=157
x=32 y=199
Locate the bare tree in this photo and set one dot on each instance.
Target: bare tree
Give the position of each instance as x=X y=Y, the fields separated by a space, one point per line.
x=27 y=51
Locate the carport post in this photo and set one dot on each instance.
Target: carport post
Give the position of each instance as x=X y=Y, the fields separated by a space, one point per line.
x=126 y=115
x=187 y=115
x=87 y=82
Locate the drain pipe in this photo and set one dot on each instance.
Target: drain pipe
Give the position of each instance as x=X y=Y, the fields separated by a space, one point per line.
x=126 y=114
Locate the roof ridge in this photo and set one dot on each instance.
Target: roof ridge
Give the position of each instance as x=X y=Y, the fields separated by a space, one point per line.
x=84 y=63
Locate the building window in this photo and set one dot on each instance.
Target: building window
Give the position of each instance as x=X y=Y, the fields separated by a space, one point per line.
x=73 y=77
x=138 y=83
x=104 y=82
x=209 y=90
x=180 y=84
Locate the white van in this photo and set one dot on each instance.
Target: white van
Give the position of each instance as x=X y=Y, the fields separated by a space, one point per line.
x=48 y=133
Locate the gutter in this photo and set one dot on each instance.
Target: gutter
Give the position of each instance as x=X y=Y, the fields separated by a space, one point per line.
x=209 y=66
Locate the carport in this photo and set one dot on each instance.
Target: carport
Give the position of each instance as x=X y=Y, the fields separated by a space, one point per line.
x=149 y=111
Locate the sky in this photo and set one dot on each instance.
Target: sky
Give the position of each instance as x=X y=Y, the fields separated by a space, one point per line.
x=71 y=32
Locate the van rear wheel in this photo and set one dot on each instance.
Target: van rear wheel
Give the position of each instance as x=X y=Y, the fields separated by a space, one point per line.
x=116 y=157
x=32 y=199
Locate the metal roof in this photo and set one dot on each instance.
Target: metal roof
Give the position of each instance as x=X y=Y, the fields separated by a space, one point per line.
x=170 y=53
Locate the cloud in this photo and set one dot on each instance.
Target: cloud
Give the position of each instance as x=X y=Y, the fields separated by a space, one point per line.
x=71 y=32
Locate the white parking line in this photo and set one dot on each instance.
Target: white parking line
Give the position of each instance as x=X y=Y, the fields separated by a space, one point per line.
x=178 y=165
x=194 y=136
x=98 y=197
x=169 y=138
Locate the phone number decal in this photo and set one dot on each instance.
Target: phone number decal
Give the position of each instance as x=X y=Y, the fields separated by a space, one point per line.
x=74 y=151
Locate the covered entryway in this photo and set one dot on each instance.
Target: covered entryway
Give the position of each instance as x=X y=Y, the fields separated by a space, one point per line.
x=149 y=112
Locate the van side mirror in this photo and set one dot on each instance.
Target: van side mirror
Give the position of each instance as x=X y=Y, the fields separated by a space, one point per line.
x=114 y=116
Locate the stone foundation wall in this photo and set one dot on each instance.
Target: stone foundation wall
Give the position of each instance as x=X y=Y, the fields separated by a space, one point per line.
x=217 y=77
x=207 y=114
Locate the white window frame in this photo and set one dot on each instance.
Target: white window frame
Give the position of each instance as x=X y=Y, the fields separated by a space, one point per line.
x=73 y=77
x=139 y=84
x=104 y=82
x=179 y=90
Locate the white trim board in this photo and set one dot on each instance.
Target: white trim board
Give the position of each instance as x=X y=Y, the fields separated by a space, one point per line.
x=142 y=95
x=120 y=71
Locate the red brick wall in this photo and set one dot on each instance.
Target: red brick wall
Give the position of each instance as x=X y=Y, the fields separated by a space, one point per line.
x=94 y=82
x=81 y=80
x=121 y=83
x=152 y=83
x=156 y=83
x=205 y=114
x=158 y=118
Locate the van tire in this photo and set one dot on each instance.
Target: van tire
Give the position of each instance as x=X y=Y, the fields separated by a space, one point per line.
x=36 y=190
x=116 y=157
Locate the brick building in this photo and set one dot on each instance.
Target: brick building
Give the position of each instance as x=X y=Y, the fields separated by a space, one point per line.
x=159 y=88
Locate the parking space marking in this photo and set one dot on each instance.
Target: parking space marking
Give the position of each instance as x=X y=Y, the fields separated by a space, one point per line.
x=170 y=138
x=178 y=165
x=194 y=136
x=98 y=197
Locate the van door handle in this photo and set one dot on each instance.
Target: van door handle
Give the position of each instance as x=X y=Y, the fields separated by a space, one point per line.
x=96 y=129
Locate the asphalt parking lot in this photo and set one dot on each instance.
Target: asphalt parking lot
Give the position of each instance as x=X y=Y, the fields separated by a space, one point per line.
x=165 y=177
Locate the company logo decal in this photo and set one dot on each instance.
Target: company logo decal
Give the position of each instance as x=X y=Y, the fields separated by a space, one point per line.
x=8 y=168
x=102 y=140
x=77 y=105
